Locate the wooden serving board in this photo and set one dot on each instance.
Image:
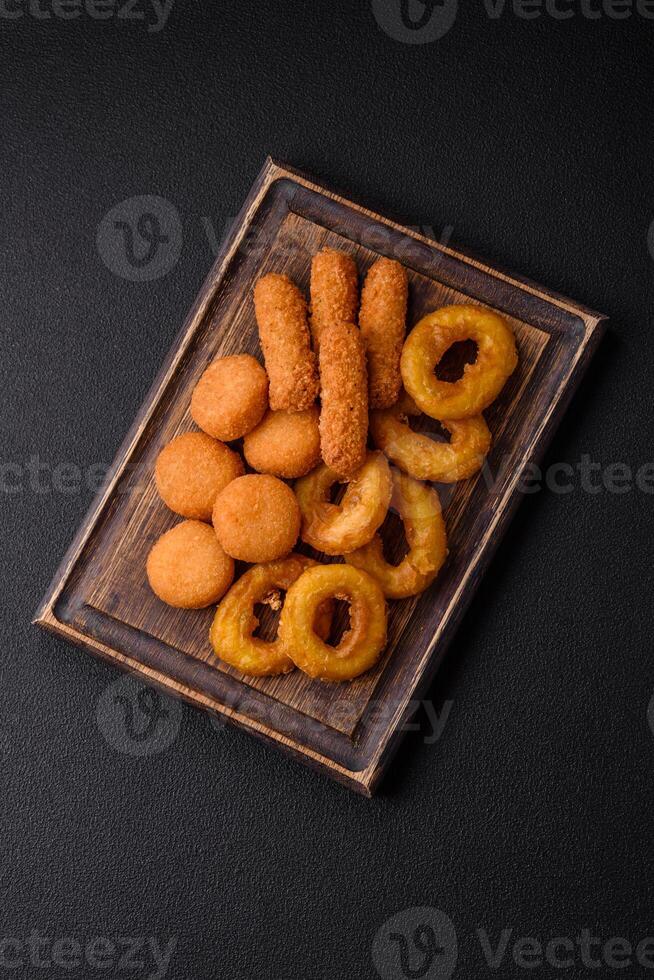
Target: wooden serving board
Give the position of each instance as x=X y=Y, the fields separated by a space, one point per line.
x=100 y=598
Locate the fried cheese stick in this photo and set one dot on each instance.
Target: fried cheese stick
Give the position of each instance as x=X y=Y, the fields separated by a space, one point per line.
x=334 y=291
x=344 y=398
x=382 y=319
x=281 y=313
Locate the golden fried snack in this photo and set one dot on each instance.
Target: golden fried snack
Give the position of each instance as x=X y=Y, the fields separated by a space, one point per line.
x=337 y=529
x=235 y=622
x=281 y=313
x=286 y=444
x=191 y=471
x=230 y=397
x=256 y=518
x=344 y=398
x=187 y=568
x=359 y=648
x=334 y=291
x=420 y=509
x=481 y=381
x=382 y=320
x=424 y=458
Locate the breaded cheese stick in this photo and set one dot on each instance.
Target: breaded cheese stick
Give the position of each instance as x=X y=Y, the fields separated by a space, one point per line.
x=334 y=291
x=382 y=319
x=281 y=313
x=344 y=398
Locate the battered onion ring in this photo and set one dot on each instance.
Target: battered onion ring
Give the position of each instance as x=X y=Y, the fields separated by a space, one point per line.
x=420 y=509
x=235 y=622
x=481 y=381
x=359 y=648
x=337 y=529
x=424 y=458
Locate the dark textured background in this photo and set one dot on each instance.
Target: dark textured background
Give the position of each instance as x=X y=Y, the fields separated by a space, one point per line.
x=532 y=138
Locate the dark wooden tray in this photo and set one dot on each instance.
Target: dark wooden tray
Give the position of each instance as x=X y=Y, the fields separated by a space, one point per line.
x=100 y=598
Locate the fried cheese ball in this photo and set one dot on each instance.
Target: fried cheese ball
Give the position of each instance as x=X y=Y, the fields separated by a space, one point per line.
x=191 y=471
x=187 y=568
x=285 y=444
x=257 y=518
x=344 y=398
x=231 y=397
x=334 y=291
x=382 y=320
x=281 y=313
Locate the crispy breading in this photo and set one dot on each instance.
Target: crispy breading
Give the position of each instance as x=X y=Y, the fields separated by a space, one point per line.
x=188 y=568
x=334 y=291
x=344 y=398
x=191 y=471
x=382 y=319
x=281 y=312
x=286 y=444
x=256 y=518
x=231 y=397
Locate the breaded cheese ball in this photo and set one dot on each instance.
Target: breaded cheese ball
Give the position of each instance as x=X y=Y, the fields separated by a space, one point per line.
x=231 y=397
x=257 y=518
x=285 y=444
x=191 y=471
x=187 y=567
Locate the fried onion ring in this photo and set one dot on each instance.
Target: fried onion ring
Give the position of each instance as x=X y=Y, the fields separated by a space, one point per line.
x=235 y=622
x=423 y=457
x=481 y=381
x=420 y=509
x=337 y=529
x=359 y=648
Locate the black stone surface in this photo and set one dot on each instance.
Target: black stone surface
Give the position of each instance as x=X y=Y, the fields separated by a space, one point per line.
x=526 y=140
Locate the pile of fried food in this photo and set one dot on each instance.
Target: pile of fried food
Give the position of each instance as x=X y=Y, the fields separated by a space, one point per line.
x=353 y=356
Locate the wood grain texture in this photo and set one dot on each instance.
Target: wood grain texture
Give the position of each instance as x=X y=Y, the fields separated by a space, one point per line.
x=100 y=597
